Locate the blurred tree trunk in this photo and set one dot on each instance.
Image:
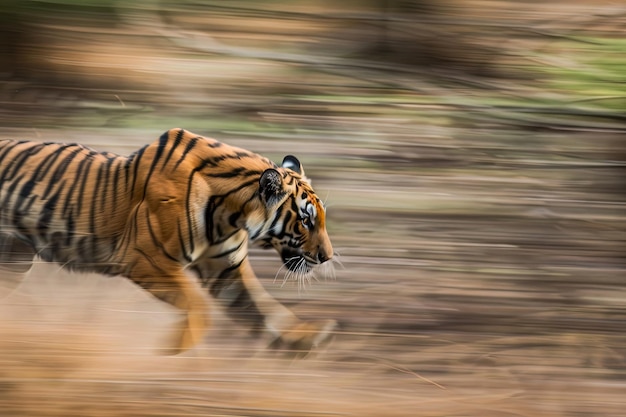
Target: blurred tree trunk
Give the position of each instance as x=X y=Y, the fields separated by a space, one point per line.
x=28 y=28
x=427 y=34
x=13 y=41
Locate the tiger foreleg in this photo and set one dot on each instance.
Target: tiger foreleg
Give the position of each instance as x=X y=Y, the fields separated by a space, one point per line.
x=194 y=324
x=305 y=337
x=247 y=300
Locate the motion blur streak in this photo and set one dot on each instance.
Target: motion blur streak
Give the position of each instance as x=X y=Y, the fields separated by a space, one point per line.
x=471 y=155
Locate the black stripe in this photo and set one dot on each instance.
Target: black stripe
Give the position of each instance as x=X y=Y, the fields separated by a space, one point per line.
x=233 y=218
x=30 y=203
x=226 y=275
x=224 y=238
x=190 y=145
x=25 y=191
x=83 y=183
x=155 y=160
x=181 y=241
x=117 y=168
x=106 y=182
x=27 y=188
x=77 y=175
x=92 y=207
x=59 y=172
x=209 y=212
x=16 y=163
x=44 y=167
x=256 y=235
x=155 y=240
x=9 y=146
x=9 y=192
x=277 y=216
x=236 y=172
x=135 y=160
x=21 y=206
x=177 y=140
x=236 y=155
x=229 y=251
x=46 y=214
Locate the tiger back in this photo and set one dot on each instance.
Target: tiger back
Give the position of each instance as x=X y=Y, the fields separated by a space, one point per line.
x=174 y=217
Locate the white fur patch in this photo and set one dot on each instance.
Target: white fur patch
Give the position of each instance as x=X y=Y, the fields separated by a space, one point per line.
x=309 y=211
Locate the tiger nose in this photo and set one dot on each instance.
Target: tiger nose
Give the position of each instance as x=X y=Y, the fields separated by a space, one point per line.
x=322 y=257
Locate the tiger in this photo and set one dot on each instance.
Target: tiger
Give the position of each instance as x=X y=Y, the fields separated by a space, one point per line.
x=176 y=218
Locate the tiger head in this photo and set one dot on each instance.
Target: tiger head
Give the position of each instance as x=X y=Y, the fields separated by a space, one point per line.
x=298 y=227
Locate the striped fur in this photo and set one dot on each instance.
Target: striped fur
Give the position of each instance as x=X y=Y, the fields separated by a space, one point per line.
x=182 y=204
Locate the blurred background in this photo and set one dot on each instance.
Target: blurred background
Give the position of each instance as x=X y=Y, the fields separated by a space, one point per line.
x=472 y=155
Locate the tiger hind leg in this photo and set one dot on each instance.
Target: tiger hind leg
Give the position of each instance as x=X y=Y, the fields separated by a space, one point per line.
x=16 y=259
x=16 y=255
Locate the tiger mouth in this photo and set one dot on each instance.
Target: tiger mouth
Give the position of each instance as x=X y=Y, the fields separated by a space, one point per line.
x=296 y=261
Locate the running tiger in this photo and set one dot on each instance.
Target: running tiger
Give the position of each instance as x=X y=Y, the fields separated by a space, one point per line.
x=174 y=217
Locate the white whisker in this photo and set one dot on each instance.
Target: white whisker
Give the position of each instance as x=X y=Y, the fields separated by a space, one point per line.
x=287 y=277
x=297 y=269
x=336 y=260
x=328 y=271
x=282 y=266
x=288 y=271
x=324 y=204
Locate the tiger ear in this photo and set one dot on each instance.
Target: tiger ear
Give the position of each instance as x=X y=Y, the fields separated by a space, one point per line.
x=271 y=187
x=292 y=163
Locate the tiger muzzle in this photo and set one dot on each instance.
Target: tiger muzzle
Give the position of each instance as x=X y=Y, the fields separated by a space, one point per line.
x=297 y=260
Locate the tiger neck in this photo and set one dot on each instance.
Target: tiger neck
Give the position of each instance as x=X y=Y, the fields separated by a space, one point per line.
x=227 y=213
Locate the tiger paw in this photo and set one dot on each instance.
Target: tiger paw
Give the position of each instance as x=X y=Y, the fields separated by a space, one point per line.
x=305 y=337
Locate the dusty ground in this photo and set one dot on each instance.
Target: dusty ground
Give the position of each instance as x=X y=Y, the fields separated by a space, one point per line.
x=461 y=294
